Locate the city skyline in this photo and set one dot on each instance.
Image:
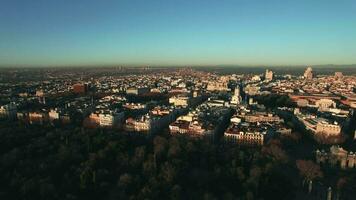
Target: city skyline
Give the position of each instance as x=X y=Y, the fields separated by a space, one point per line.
x=168 y=99
x=161 y=33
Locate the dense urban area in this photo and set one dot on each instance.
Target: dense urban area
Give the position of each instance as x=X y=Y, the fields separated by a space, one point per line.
x=177 y=133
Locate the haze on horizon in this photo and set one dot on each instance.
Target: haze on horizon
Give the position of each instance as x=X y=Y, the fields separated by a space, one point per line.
x=166 y=32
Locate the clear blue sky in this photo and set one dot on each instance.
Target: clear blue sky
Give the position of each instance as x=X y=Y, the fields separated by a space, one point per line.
x=180 y=32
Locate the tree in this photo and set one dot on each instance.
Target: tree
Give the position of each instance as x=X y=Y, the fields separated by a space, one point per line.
x=342 y=181
x=125 y=180
x=174 y=147
x=275 y=150
x=175 y=192
x=149 y=165
x=168 y=172
x=139 y=156
x=159 y=147
x=86 y=178
x=308 y=169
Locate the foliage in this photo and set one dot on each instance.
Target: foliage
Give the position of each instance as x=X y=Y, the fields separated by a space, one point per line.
x=273 y=101
x=74 y=163
x=308 y=169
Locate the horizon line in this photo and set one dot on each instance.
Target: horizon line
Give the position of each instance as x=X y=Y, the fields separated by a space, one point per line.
x=168 y=66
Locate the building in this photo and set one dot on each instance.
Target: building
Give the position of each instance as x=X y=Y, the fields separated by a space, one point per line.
x=324 y=104
x=212 y=102
x=251 y=101
x=137 y=90
x=106 y=119
x=36 y=118
x=193 y=128
x=183 y=101
x=236 y=98
x=336 y=155
x=218 y=85
x=317 y=125
x=22 y=116
x=338 y=75
x=53 y=114
x=245 y=134
x=252 y=89
x=204 y=121
x=110 y=119
x=308 y=73
x=145 y=123
x=179 y=127
x=329 y=129
x=8 y=111
x=256 y=78
x=142 y=123
x=80 y=88
x=59 y=115
x=188 y=117
x=268 y=75
x=249 y=126
x=39 y=93
x=153 y=121
x=260 y=117
x=302 y=102
x=135 y=106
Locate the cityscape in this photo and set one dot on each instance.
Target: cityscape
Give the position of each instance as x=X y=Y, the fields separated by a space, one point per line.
x=178 y=100
x=305 y=122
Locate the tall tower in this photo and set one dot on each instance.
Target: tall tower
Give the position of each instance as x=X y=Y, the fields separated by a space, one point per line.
x=269 y=75
x=338 y=75
x=308 y=73
x=237 y=91
x=236 y=98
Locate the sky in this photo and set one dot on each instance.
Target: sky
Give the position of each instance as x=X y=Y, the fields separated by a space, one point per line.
x=179 y=32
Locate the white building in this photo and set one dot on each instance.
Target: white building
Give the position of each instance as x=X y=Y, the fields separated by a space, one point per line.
x=180 y=101
x=236 y=98
x=256 y=78
x=36 y=117
x=141 y=124
x=53 y=114
x=189 y=117
x=329 y=129
x=155 y=120
x=253 y=138
x=252 y=89
x=107 y=119
x=110 y=119
x=324 y=104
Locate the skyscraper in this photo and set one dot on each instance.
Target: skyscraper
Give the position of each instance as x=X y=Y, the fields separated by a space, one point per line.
x=338 y=75
x=308 y=73
x=268 y=75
